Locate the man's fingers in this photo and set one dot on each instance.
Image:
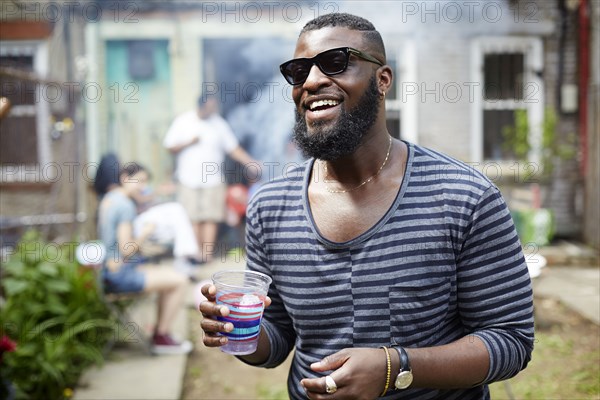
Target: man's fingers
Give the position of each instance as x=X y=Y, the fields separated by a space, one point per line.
x=210 y=325
x=209 y=291
x=315 y=385
x=267 y=301
x=210 y=309
x=316 y=388
x=213 y=340
x=331 y=362
x=211 y=329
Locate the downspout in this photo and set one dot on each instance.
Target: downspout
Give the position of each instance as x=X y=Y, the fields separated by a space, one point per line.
x=584 y=76
x=562 y=35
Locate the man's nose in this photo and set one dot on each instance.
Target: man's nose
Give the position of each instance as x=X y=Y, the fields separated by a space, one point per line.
x=315 y=77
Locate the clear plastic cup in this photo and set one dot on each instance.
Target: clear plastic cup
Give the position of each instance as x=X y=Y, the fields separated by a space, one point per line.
x=243 y=292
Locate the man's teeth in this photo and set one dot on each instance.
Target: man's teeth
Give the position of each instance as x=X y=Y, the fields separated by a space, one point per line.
x=322 y=103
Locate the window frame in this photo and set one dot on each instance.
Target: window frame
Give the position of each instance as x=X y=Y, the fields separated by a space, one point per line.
x=533 y=91
x=41 y=109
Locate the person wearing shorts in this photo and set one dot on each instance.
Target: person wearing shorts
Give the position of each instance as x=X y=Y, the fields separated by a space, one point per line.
x=201 y=139
x=203 y=204
x=123 y=271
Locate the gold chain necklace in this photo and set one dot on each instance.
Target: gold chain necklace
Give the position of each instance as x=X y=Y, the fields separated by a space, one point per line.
x=363 y=182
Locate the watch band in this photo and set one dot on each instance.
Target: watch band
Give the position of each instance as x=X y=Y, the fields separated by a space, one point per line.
x=404 y=361
x=405 y=377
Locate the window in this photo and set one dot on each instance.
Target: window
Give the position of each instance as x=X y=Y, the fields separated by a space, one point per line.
x=24 y=136
x=503 y=94
x=508 y=71
x=141 y=59
x=503 y=75
x=18 y=141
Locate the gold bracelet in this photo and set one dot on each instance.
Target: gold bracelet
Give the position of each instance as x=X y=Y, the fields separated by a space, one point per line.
x=389 y=371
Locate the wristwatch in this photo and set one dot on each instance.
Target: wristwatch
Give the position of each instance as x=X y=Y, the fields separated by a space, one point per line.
x=405 y=377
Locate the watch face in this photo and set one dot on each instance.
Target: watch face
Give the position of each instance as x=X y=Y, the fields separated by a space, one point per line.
x=404 y=379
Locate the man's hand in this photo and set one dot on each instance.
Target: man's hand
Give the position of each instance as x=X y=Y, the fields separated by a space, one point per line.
x=194 y=140
x=176 y=149
x=359 y=373
x=210 y=311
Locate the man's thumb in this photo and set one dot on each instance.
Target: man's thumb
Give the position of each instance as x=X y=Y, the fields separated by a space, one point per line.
x=331 y=362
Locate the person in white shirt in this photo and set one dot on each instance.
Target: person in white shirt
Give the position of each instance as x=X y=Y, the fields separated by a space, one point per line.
x=201 y=139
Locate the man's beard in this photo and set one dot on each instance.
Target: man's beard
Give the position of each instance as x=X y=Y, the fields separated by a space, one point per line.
x=346 y=135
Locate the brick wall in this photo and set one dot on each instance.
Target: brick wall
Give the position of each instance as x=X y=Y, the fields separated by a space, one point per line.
x=565 y=191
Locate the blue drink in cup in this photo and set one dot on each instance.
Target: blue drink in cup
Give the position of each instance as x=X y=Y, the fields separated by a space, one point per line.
x=243 y=292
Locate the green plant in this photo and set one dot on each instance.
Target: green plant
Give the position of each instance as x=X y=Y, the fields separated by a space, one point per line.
x=552 y=147
x=516 y=140
x=53 y=312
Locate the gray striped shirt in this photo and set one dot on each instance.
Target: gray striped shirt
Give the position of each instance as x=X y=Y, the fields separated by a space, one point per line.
x=444 y=262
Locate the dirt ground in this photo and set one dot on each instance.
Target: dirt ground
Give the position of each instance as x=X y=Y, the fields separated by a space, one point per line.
x=565 y=365
x=207 y=369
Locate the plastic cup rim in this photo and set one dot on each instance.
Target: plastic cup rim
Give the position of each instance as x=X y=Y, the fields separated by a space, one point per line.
x=240 y=271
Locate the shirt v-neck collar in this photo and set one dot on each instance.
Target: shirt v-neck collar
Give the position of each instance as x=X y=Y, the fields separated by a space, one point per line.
x=372 y=230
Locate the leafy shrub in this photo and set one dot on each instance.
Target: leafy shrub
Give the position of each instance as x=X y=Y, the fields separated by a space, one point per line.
x=516 y=141
x=54 y=314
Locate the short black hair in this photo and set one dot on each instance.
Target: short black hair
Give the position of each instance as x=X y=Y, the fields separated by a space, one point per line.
x=203 y=98
x=344 y=20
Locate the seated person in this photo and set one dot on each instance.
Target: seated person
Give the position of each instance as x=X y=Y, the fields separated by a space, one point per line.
x=122 y=269
x=173 y=227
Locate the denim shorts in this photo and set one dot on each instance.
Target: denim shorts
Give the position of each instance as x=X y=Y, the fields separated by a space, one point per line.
x=128 y=279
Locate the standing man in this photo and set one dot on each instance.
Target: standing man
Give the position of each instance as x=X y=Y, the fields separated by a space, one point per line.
x=397 y=271
x=201 y=138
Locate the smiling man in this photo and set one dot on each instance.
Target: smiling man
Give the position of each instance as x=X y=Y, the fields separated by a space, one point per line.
x=397 y=271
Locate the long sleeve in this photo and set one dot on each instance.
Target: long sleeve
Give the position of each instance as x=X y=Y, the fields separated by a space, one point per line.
x=494 y=288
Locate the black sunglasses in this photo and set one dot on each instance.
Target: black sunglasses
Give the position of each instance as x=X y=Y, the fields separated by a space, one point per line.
x=330 y=62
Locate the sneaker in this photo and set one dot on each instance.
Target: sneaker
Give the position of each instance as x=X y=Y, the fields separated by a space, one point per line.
x=165 y=344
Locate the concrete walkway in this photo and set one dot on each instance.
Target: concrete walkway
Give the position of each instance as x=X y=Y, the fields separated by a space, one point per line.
x=130 y=374
x=572 y=276
x=576 y=288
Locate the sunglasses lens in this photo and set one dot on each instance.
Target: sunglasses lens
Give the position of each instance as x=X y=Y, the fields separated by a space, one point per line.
x=296 y=71
x=333 y=62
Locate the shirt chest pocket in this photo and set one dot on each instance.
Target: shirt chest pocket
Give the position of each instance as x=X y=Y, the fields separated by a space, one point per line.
x=418 y=311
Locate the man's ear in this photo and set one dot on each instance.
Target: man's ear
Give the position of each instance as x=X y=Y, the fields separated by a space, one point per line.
x=384 y=79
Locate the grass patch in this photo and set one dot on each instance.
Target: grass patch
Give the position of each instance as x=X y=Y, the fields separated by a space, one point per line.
x=272 y=392
x=565 y=362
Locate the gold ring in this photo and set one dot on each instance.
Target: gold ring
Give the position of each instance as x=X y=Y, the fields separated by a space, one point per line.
x=330 y=386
